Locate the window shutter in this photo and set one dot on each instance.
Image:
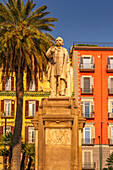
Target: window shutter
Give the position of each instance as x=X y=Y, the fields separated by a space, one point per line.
x=37 y=105
x=82 y=105
x=26 y=134
x=81 y=60
x=12 y=107
x=108 y=60
x=109 y=83
x=87 y=157
x=82 y=82
x=92 y=60
x=109 y=132
x=92 y=81
x=92 y=106
x=12 y=129
x=36 y=85
x=2 y=106
x=26 y=107
x=93 y=132
x=12 y=83
x=3 y=84
x=109 y=106
x=1 y=131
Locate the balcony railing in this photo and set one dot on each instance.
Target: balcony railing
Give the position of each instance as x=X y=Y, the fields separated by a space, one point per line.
x=87 y=91
x=88 y=165
x=110 y=68
x=88 y=115
x=110 y=115
x=110 y=91
x=88 y=141
x=87 y=67
x=110 y=141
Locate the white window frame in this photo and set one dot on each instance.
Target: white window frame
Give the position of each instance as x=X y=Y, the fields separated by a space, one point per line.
x=32 y=86
x=109 y=82
x=6 y=113
x=84 y=134
x=87 y=100
x=110 y=64
x=83 y=155
x=30 y=131
x=7 y=130
x=8 y=84
x=91 y=81
x=86 y=56
x=30 y=113
x=110 y=106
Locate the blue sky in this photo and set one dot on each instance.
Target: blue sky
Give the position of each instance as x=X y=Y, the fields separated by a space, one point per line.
x=81 y=20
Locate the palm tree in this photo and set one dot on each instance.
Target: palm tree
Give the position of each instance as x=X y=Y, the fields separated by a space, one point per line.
x=23 y=43
x=109 y=162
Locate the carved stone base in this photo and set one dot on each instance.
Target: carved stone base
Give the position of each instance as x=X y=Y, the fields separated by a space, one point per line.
x=57 y=127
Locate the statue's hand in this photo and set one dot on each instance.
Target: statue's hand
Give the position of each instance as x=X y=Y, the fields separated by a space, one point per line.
x=52 y=49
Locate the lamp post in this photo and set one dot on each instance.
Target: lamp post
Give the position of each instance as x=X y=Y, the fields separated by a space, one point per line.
x=101 y=148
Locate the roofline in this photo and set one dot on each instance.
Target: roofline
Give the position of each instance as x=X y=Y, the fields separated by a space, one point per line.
x=93 y=48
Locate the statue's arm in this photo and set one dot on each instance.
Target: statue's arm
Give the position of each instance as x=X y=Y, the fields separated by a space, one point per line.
x=50 y=52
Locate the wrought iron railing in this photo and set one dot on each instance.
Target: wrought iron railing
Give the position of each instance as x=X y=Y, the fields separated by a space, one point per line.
x=87 y=91
x=88 y=165
x=110 y=90
x=110 y=66
x=90 y=114
x=87 y=66
x=111 y=141
x=110 y=115
x=88 y=141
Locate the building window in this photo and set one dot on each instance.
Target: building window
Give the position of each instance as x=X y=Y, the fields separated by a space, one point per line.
x=8 y=129
x=86 y=62
x=87 y=135
x=87 y=85
x=110 y=62
x=87 y=108
x=8 y=84
x=32 y=107
x=87 y=159
x=31 y=135
x=32 y=86
x=110 y=108
x=7 y=107
x=110 y=85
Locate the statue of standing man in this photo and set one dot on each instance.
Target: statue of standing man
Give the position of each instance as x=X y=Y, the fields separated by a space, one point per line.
x=58 y=69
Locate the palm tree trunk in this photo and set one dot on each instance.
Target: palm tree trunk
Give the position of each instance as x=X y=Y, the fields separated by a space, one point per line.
x=16 y=147
x=29 y=165
x=23 y=162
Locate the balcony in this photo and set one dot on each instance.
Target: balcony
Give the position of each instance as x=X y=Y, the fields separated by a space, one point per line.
x=110 y=91
x=88 y=166
x=87 y=67
x=88 y=115
x=110 y=68
x=8 y=115
x=87 y=91
x=88 y=141
x=110 y=142
x=110 y=115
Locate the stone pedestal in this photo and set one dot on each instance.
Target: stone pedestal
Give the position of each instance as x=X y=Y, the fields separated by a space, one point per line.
x=57 y=135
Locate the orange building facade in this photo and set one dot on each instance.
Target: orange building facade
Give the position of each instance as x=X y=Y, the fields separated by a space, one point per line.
x=93 y=86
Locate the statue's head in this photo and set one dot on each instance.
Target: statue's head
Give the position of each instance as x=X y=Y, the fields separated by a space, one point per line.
x=59 y=42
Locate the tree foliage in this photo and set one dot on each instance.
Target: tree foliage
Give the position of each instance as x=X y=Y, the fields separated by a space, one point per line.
x=22 y=37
